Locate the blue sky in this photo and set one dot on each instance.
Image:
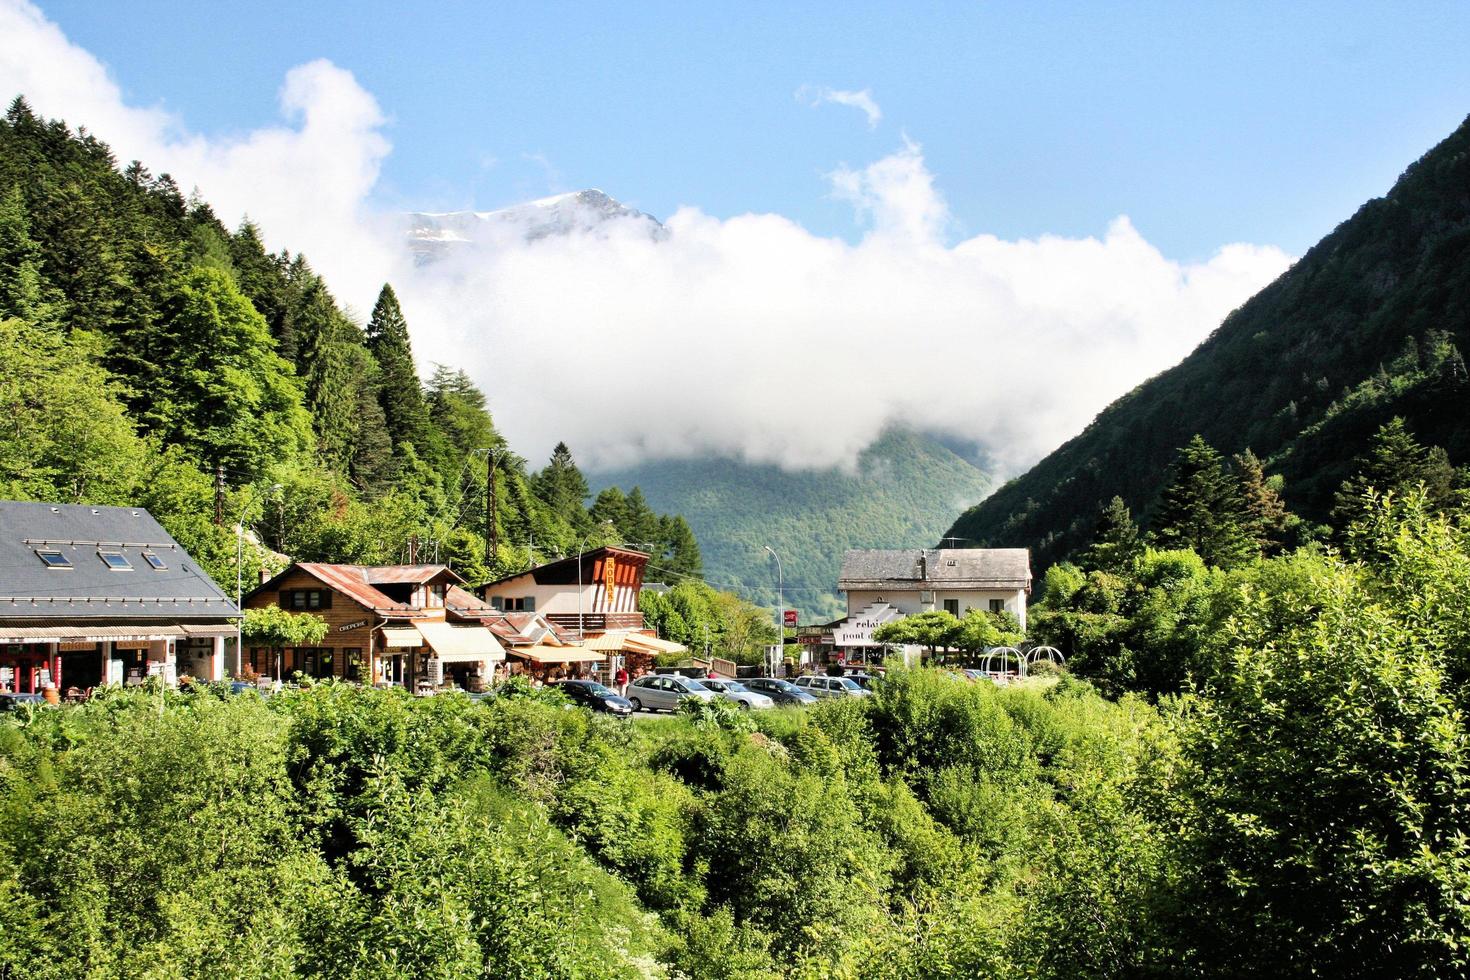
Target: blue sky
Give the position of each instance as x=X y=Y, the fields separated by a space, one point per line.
x=1228 y=122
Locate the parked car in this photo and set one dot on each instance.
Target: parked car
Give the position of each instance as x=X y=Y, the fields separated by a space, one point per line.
x=590 y=694
x=663 y=692
x=779 y=691
x=13 y=702
x=830 y=687
x=864 y=680
x=739 y=693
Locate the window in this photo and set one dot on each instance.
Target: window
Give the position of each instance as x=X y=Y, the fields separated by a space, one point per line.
x=997 y=605
x=518 y=604
x=496 y=602
x=436 y=595
x=154 y=561
x=115 y=560
x=952 y=606
x=53 y=558
x=306 y=599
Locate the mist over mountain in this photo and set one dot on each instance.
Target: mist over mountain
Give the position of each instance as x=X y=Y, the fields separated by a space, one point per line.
x=433 y=235
x=901 y=492
x=1370 y=324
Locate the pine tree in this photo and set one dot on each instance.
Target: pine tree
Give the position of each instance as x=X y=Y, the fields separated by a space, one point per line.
x=259 y=275
x=1116 y=541
x=327 y=371
x=611 y=507
x=24 y=292
x=680 y=548
x=400 y=393
x=563 y=488
x=642 y=524
x=370 y=463
x=1394 y=462
x=1202 y=508
x=1267 y=519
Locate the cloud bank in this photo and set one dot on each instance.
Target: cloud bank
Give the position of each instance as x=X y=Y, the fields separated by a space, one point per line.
x=746 y=336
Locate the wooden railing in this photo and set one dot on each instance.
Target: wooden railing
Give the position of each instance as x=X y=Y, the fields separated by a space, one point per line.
x=598 y=622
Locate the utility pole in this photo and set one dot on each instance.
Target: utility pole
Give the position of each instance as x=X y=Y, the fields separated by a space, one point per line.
x=413 y=549
x=219 y=494
x=492 y=529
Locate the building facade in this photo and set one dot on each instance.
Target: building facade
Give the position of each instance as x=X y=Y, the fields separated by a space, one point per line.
x=589 y=594
x=884 y=585
x=397 y=624
x=99 y=595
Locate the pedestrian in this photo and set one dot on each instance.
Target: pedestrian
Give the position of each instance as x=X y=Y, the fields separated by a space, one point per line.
x=621 y=679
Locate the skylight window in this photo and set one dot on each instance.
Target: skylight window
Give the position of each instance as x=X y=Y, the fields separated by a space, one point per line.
x=53 y=558
x=115 y=560
x=154 y=561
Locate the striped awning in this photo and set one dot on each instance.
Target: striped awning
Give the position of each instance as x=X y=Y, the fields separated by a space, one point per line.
x=92 y=634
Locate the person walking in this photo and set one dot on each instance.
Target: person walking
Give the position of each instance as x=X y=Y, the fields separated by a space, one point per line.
x=621 y=679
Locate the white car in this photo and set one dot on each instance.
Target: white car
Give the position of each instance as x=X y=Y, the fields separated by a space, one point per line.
x=739 y=693
x=830 y=687
x=663 y=692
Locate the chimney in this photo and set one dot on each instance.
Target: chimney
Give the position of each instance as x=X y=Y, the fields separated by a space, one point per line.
x=265 y=575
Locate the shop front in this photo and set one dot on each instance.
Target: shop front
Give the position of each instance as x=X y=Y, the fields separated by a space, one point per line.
x=28 y=668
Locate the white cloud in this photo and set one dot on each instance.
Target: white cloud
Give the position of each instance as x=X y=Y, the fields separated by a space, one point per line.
x=862 y=101
x=748 y=336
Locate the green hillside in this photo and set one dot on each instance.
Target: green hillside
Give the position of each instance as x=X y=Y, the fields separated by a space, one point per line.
x=1369 y=324
x=902 y=493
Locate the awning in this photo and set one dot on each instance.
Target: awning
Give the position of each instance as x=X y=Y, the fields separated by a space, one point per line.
x=92 y=634
x=656 y=645
x=402 y=636
x=545 y=653
x=628 y=641
x=453 y=643
x=222 y=629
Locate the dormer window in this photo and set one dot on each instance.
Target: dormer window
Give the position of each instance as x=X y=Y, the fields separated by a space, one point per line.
x=115 y=560
x=53 y=558
x=154 y=561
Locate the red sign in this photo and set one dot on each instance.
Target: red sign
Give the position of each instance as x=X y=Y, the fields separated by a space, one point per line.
x=790 y=617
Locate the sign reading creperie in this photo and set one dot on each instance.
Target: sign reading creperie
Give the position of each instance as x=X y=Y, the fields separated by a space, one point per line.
x=345 y=627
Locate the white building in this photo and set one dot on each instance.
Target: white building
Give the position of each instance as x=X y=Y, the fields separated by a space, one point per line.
x=883 y=585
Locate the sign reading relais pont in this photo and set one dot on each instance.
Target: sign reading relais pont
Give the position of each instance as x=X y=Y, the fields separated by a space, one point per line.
x=857 y=629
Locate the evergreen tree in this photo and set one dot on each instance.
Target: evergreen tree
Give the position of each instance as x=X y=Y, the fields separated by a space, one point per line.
x=563 y=488
x=1267 y=519
x=641 y=523
x=327 y=370
x=259 y=276
x=681 y=558
x=611 y=507
x=1394 y=462
x=370 y=463
x=1203 y=509
x=400 y=394
x=24 y=292
x=1116 y=541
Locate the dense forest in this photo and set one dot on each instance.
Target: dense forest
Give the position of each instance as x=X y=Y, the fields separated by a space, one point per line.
x=901 y=492
x=1370 y=324
x=154 y=357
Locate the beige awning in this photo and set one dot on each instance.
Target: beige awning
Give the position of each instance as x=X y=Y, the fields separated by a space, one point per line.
x=93 y=634
x=629 y=641
x=455 y=643
x=402 y=636
x=221 y=629
x=545 y=653
x=654 y=644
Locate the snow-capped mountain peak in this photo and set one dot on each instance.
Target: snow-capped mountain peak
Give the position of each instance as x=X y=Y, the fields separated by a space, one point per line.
x=431 y=235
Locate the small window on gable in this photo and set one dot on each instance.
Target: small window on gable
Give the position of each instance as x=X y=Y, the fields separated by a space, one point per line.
x=154 y=561
x=115 y=560
x=53 y=558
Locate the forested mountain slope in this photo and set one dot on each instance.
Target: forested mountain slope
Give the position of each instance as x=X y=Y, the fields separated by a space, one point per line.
x=901 y=494
x=1369 y=324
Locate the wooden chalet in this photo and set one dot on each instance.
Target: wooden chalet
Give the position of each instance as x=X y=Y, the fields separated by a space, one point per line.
x=397 y=624
x=534 y=645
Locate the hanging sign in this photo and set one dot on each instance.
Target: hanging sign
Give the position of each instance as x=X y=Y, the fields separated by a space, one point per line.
x=609 y=575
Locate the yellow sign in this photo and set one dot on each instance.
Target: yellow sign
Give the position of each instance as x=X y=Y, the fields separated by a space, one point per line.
x=609 y=576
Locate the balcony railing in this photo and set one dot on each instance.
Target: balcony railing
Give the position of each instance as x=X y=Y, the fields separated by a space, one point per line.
x=598 y=622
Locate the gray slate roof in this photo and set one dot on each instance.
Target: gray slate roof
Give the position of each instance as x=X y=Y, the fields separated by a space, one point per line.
x=89 y=590
x=913 y=568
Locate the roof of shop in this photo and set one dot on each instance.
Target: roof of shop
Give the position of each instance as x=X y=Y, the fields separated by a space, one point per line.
x=88 y=589
x=997 y=568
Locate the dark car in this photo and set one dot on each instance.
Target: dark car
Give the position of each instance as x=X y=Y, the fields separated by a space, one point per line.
x=590 y=694
x=13 y=702
x=779 y=691
x=865 y=680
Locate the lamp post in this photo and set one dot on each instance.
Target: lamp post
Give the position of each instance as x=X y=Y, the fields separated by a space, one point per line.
x=780 y=601
x=239 y=569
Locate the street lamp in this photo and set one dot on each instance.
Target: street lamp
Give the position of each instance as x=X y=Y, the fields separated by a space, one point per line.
x=239 y=570
x=780 y=600
x=581 y=616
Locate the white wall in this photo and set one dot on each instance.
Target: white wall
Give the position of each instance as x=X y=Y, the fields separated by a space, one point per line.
x=908 y=601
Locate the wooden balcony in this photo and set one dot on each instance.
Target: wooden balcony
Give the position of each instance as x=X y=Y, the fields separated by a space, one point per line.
x=598 y=622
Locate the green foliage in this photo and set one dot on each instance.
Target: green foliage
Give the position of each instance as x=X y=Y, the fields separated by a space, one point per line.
x=275 y=627
x=1203 y=509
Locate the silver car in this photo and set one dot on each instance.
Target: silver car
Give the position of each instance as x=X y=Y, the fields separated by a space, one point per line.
x=663 y=692
x=739 y=693
x=830 y=687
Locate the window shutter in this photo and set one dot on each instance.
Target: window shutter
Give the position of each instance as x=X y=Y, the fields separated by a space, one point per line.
x=326 y=598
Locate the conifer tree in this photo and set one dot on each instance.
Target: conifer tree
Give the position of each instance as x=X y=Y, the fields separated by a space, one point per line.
x=1394 y=462
x=1202 y=508
x=612 y=507
x=1267 y=519
x=563 y=488
x=1116 y=541
x=400 y=393
x=370 y=463
x=681 y=555
x=327 y=371
x=24 y=292
x=641 y=523
x=259 y=275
